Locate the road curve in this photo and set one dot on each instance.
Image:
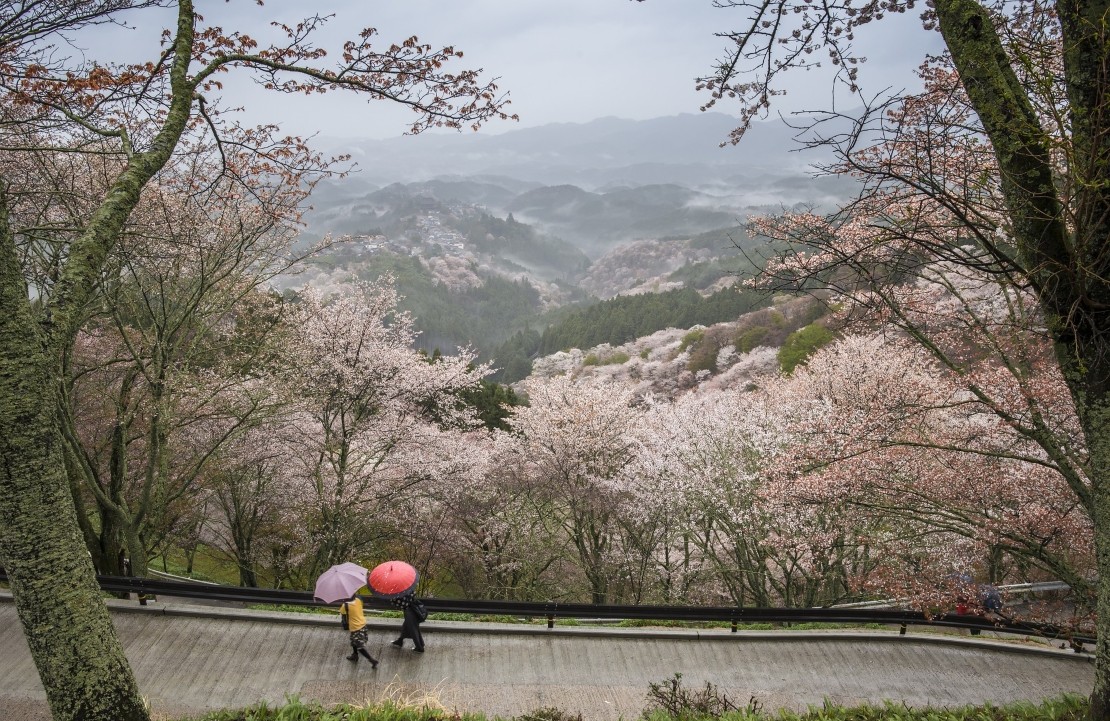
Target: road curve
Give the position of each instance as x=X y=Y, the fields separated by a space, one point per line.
x=192 y=659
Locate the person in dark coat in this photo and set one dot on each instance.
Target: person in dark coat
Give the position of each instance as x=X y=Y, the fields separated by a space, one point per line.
x=415 y=614
x=990 y=598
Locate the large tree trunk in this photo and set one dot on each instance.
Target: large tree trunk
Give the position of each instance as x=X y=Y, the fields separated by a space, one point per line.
x=1095 y=417
x=82 y=665
x=1086 y=62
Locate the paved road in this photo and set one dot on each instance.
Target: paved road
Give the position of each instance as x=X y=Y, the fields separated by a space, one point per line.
x=190 y=659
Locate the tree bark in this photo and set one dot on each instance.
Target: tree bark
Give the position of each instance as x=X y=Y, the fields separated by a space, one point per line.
x=1098 y=427
x=82 y=665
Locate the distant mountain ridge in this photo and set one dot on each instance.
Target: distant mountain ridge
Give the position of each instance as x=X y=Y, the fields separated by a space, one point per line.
x=681 y=148
x=492 y=238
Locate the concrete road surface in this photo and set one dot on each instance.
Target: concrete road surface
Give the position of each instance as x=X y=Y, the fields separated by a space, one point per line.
x=191 y=659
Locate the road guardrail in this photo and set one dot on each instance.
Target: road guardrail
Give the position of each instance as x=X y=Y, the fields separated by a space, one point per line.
x=552 y=610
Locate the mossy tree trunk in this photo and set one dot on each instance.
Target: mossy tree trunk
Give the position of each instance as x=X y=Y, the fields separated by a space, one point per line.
x=65 y=620
x=1097 y=425
x=81 y=663
x=1066 y=257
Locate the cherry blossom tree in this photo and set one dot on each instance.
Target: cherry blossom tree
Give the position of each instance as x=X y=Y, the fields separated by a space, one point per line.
x=949 y=486
x=254 y=520
x=425 y=528
x=1027 y=94
x=741 y=533
x=139 y=114
x=184 y=323
x=376 y=422
x=665 y=526
x=904 y=256
x=503 y=544
x=576 y=438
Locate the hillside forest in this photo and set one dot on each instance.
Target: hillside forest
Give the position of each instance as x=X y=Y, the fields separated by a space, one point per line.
x=708 y=441
x=628 y=420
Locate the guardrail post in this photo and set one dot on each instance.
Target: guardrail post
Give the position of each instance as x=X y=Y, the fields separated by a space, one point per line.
x=902 y=630
x=551 y=620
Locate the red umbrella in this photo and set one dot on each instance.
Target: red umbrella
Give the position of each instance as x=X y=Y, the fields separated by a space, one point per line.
x=392 y=579
x=339 y=583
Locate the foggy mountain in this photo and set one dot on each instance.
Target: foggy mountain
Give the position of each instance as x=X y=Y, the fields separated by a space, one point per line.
x=682 y=149
x=491 y=237
x=594 y=221
x=595 y=184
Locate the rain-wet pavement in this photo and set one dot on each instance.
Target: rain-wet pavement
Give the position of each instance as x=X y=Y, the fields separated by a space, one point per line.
x=190 y=659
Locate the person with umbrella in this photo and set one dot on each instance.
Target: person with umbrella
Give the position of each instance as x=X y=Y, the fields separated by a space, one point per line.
x=415 y=614
x=355 y=622
x=396 y=581
x=341 y=583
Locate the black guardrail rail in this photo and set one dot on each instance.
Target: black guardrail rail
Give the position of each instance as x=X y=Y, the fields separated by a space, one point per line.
x=551 y=610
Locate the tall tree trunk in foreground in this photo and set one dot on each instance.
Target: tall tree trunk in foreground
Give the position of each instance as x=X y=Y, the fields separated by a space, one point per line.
x=51 y=574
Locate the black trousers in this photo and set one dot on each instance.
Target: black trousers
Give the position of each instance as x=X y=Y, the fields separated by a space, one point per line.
x=411 y=629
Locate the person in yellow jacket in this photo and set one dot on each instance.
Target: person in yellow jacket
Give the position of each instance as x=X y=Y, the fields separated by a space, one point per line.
x=353 y=619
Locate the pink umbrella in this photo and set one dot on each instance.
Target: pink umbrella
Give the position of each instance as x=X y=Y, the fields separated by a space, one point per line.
x=392 y=579
x=339 y=583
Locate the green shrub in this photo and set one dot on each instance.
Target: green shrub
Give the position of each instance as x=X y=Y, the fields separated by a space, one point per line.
x=549 y=714
x=801 y=344
x=593 y=359
x=751 y=338
x=1064 y=708
x=690 y=339
x=703 y=358
x=645 y=353
x=615 y=359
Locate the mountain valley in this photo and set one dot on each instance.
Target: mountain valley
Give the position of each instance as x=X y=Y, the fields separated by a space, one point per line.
x=494 y=258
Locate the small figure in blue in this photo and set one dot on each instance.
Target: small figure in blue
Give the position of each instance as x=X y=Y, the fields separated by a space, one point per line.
x=415 y=614
x=990 y=599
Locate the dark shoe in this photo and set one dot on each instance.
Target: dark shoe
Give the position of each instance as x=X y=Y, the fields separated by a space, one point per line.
x=353 y=657
x=398 y=643
x=419 y=650
x=373 y=664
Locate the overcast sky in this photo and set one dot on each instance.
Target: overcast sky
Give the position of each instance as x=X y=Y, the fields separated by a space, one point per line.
x=560 y=60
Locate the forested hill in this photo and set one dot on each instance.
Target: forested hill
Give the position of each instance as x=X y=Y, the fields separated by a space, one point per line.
x=518 y=243
x=627 y=317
